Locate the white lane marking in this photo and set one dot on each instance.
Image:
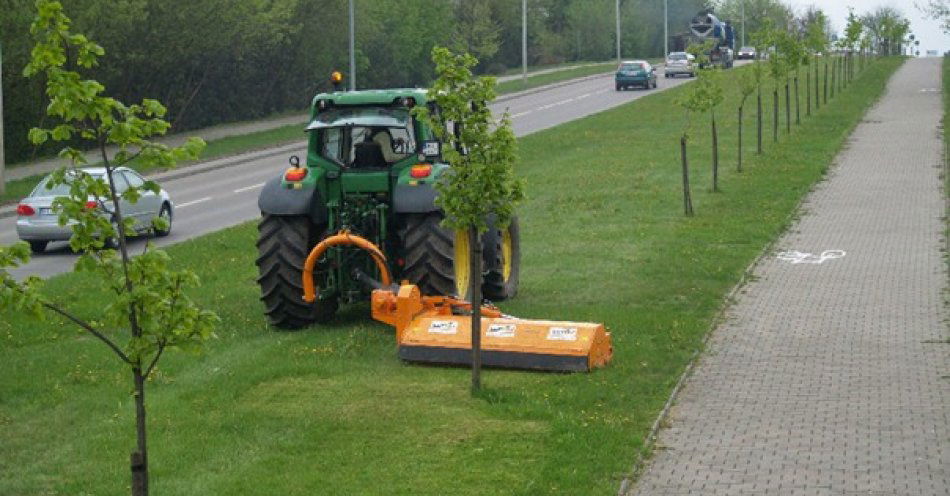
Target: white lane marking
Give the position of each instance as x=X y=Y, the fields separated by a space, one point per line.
x=555 y=104
x=601 y=91
x=521 y=114
x=585 y=95
x=798 y=257
x=188 y=204
x=248 y=188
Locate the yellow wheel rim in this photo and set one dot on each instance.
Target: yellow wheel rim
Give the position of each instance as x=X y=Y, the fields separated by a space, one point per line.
x=506 y=254
x=462 y=263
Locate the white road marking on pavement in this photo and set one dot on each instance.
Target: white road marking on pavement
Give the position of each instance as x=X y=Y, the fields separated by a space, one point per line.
x=798 y=257
x=585 y=95
x=555 y=104
x=521 y=114
x=248 y=188
x=188 y=204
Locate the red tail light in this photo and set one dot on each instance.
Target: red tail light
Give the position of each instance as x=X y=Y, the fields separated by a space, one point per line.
x=420 y=171
x=25 y=210
x=295 y=174
x=91 y=204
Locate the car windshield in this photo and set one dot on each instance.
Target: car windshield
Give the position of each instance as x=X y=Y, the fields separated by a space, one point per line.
x=364 y=137
x=58 y=190
x=678 y=56
x=632 y=67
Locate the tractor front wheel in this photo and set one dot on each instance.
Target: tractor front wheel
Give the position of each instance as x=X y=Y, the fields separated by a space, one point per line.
x=283 y=243
x=502 y=255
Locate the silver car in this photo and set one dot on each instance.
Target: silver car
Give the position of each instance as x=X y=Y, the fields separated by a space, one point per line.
x=678 y=63
x=38 y=223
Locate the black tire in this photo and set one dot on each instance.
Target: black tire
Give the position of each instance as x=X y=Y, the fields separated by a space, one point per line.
x=619 y=87
x=38 y=246
x=283 y=243
x=428 y=250
x=166 y=213
x=499 y=285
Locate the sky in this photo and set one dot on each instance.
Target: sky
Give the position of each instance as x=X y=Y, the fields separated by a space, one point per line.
x=926 y=30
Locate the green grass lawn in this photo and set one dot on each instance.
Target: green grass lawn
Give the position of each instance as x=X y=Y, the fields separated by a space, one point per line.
x=333 y=411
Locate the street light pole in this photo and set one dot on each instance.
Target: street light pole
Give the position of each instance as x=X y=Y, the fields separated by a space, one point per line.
x=3 y=182
x=524 y=42
x=617 y=12
x=743 y=23
x=666 y=24
x=352 y=46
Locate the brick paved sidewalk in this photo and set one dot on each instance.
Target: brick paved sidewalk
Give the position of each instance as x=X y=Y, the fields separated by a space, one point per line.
x=832 y=378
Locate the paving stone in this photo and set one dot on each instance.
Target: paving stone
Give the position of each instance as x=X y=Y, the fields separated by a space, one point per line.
x=830 y=379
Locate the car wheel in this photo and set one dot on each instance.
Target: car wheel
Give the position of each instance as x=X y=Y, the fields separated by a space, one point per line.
x=619 y=87
x=166 y=214
x=38 y=246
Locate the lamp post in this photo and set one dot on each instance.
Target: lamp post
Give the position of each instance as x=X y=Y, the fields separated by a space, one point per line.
x=524 y=42
x=3 y=183
x=743 y=22
x=617 y=12
x=666 y=24
x=352 y=46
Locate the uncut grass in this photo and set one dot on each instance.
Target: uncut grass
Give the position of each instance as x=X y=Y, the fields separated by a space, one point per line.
x=333 y=411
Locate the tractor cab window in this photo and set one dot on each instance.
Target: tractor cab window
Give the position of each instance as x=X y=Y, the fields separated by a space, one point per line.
x=365 y=137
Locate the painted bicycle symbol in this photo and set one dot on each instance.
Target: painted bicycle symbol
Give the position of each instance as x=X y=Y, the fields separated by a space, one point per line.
x=800 y=257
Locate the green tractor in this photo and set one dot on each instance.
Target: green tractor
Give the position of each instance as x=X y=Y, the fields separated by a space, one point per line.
x=371 y=170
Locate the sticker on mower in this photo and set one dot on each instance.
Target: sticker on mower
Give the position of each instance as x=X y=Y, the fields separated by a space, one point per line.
x=562 y=334
x=501 y=331
x=443 y=327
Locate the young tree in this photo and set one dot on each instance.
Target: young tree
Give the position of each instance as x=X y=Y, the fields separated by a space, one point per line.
x=749 y=81
x=149 y=311
x=852 y=39
x=482 y=153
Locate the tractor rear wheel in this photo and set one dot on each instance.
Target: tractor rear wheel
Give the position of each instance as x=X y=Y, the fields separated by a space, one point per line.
x=502 y=255
x=436 y=259
x=283 y=243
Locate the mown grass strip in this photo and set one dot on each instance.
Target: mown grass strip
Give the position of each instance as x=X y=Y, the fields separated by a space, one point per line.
x=333 y=411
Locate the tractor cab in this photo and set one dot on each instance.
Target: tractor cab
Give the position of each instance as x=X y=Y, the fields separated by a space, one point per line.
x=364 y=138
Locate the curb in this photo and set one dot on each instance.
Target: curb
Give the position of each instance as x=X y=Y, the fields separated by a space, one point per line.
x=199 y=167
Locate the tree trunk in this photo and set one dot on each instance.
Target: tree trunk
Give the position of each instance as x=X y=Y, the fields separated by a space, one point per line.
x=687 y=198
x=798 y=115
x=775 y=114
x=825 y=84
x=715 y=152
x=739 y=165
x=758 y=119
x=834 y=72
x=788 y=109
x=475 y=258
x=808 y=92
x=140 y=457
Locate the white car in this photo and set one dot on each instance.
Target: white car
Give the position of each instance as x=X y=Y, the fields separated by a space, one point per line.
x=37 y=223
x=679 y=63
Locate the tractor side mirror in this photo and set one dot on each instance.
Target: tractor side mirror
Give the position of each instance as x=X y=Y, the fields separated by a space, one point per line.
x=294 y=161
x=432 y=149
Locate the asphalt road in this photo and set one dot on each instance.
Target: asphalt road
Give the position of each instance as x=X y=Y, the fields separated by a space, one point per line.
x=226 y=195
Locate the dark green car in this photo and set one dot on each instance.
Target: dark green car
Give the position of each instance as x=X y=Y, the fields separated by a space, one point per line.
x=635 y=73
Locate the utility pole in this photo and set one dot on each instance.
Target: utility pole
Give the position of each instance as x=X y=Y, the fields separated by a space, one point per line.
x=352 y=46
x=3 y=181
x=743 y=23
x=617 y=10
x=666 y=24
x=524 y=42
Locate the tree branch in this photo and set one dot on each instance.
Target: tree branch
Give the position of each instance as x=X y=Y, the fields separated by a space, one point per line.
x=88 y=328
x=161 y=347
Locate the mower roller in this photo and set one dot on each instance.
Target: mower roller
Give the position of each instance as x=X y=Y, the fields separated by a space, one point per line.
x=437 y=329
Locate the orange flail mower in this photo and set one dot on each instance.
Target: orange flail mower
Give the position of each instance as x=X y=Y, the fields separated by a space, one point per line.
x=437 y=329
